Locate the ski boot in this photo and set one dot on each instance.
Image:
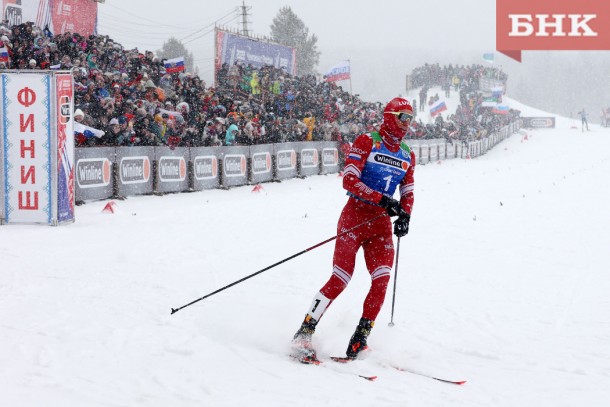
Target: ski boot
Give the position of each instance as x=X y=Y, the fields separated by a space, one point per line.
x=303 y=351
x=357 y=343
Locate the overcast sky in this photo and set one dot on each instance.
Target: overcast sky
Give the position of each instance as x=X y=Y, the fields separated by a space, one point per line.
x=384 y=40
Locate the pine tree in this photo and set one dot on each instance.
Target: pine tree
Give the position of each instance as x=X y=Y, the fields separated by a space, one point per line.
x=173 y=48
x=288 y=29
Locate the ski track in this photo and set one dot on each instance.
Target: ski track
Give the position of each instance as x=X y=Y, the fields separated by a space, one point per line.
x=502 y=280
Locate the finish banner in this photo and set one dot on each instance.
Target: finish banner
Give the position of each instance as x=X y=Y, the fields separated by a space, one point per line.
x=27 y=158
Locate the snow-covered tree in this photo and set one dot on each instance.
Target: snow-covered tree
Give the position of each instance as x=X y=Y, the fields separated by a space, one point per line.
x=288 y=29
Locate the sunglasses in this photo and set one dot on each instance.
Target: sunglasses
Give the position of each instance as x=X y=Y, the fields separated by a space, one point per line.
x=402 y=116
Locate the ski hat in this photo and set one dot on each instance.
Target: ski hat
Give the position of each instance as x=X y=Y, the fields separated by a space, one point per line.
x=397 y=117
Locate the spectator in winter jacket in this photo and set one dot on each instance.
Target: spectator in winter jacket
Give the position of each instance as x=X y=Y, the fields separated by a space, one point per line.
x=310 y=122
x=231 y=134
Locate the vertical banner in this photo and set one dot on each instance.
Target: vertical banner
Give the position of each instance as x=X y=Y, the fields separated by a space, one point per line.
x=65 y=148
x=74 y=16
x=26 y=111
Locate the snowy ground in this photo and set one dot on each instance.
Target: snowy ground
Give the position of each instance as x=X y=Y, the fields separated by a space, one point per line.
x=503 y=281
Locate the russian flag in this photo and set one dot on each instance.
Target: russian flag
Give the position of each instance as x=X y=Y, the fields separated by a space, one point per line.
x=339 y=72
x=174 y=65
x=500 y=109
x=87 y=131
x=4 y=54
x=437 y=108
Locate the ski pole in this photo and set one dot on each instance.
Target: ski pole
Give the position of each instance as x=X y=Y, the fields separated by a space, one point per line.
x=395 y=277
x=174 y=310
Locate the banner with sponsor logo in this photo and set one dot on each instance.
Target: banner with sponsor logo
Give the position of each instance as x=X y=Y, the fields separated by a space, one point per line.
x=424 y=151
x=442 y=151
x=433 y=152
x=59 y=15
x=234 y=166
x=285 y=155
x=539 y=122
x=64 y=94
x=20 y=11
x=205 y=167
x=94 y=173
x=308 y=159
x=135 y=170
x=74 y=16
x=329 y=153
x=171 y=169
x=261 y=168
x=27 y=148
x=233 y=48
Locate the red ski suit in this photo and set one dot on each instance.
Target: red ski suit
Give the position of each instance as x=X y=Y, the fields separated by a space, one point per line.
x=375 y=237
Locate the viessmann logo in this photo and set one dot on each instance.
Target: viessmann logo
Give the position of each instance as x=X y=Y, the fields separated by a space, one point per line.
x=551 y=25
x=134 y=170
x=93 y=172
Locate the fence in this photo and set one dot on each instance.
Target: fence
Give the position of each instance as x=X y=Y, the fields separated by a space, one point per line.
x=433 y=150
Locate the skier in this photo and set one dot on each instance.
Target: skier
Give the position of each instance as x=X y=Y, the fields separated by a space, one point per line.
x=583 y=119
x=377 y=163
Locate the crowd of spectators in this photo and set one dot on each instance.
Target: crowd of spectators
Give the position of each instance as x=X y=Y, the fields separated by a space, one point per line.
x=472 y=119
x=131 y=97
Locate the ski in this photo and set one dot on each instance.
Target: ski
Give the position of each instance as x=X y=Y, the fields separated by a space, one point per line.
x=456 y=382
x=343 y=359
x=317 y=362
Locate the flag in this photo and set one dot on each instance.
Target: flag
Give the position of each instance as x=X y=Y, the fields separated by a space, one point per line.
x=87 y=131
x=171 y=113
x=437 y=108
x=339 y=72
x=489 y=57
x=174 y=65
x=490 y=102
x=4 y=54
x=500 y=109
x=58 y=66
x=497 y=91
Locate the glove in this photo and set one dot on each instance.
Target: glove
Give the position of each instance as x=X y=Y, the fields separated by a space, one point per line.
x=391 y=205
x=401 y=225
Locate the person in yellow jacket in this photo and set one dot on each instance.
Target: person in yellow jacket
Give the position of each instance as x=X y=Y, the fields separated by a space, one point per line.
x=310 y=122
x=255 y=84
x=455 y=81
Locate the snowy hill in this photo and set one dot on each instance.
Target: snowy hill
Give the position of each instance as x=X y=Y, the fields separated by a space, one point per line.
x=501 y=282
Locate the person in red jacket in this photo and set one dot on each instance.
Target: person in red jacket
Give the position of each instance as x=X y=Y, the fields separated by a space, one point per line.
x=377 y=164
